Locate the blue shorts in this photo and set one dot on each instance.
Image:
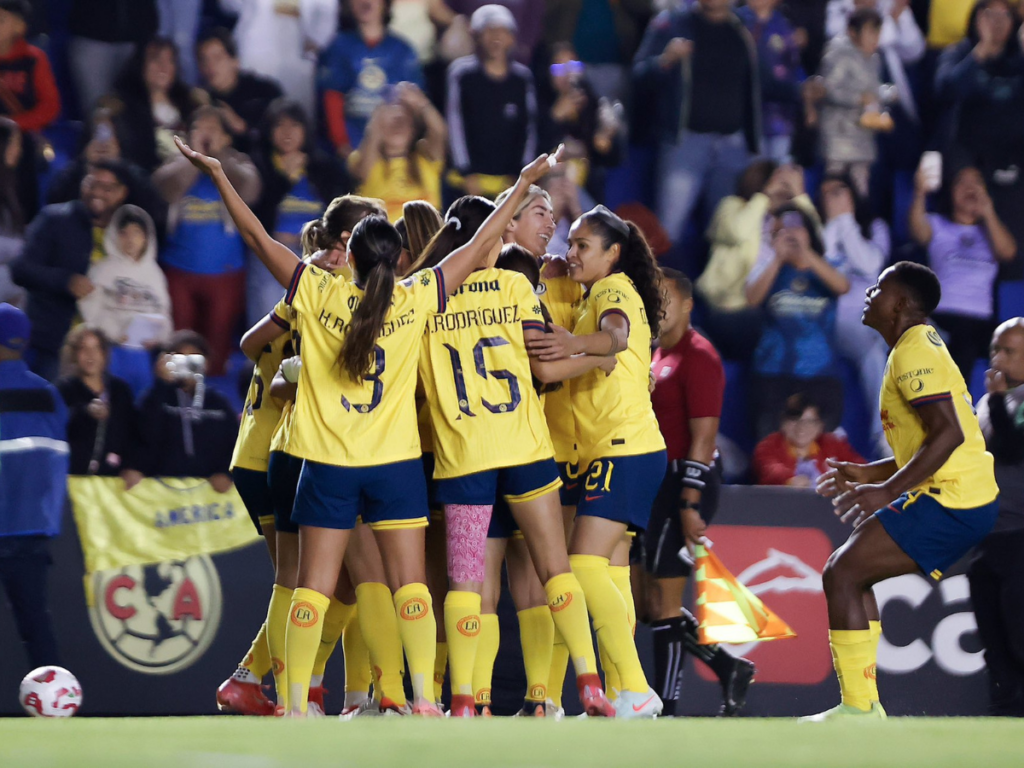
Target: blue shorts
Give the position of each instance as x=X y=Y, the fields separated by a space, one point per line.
x=283 y=476
x=253 y=487
x=569 y=493
x=428 y=474
x=935 y=536
x=387 y=496
x=622 y=488
x=516 y=484
x=503 y=524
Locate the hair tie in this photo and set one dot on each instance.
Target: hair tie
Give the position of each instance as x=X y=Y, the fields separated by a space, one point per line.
x=456 y=221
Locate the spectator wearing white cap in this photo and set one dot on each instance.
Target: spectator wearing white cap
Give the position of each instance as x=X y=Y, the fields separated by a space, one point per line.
x=492 y=108
x=529 y=19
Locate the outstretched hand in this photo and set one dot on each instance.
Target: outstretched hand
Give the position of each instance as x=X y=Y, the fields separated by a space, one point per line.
x=540 y=167
x=840 y=478
x=205 y=163
x=859 y=503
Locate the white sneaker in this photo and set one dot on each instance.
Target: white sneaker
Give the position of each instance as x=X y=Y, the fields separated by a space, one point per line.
x=631 y=705
x=367 y=708
x=553 y=711
x=313 y=710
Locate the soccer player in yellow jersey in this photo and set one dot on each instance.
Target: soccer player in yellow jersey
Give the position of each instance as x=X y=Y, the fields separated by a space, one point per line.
x=355 y=420
x=242 y=692
x=921 y=510
x=621 y=451
x=490 y=437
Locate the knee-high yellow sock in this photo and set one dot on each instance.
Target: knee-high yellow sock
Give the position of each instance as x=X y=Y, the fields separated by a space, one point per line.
x=569 y=612
x=338 y=616
x=486 y=653
x=620 y=578
x=853 y=652
x=277 y=625
x=537 y=636
x=418 y=628
x=611 y=621
x=612 y=684
x=440 y=665
x=379 y=624
x=875 y=628
x=302 y=639
x=559 y=666
x=462 y=628
x=357 y=662
x=257 y=660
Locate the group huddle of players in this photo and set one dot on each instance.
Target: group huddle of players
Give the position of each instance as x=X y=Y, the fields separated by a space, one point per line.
x=429 y=402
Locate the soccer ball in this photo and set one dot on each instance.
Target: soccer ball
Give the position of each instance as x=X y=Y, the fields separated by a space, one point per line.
x=50 y=692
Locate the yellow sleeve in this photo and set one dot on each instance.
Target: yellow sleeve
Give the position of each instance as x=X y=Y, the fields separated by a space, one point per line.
x=921 y=371
x=308 y=289
x=281 y=314
x=613 y=300
x=530 y=313
x=428 y=285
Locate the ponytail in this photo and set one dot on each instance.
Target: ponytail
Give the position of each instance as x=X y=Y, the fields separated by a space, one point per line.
x=636 y=261
x=312 y=237
x=465 y=216
x=375 y=246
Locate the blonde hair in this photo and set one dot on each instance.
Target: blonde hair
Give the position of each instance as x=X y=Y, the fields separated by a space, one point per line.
x=532 y=194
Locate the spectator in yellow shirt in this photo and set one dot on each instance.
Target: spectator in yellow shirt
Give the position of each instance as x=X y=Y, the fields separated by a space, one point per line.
x=402 y=152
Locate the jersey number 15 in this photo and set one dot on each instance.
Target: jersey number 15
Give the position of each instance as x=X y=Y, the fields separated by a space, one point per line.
x=483 y=372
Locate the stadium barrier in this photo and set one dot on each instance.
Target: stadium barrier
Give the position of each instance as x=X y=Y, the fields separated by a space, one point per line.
x=158 y=639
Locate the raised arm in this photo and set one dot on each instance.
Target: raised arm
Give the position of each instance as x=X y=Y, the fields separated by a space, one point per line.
x=259 y=336
x=461 y=262
x=277 y=257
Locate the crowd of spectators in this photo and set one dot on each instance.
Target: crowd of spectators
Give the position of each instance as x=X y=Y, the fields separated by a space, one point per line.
x=771 y=149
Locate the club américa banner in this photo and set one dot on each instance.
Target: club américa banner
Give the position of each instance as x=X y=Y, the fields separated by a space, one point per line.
x=159 y=520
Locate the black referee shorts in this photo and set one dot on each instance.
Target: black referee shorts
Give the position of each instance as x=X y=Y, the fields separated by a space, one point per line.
x=664 y=535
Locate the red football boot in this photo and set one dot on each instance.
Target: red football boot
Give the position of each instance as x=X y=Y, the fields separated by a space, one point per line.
x=463 y=705
x=244 y=699
x=595 y=703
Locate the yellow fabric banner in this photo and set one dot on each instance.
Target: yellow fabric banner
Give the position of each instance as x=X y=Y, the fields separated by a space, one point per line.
x=160 y=519
x=727 y=611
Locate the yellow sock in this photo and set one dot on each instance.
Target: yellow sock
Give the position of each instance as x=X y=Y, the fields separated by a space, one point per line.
x=620 y=578
x=277 y=625
x=440 y=665
x=379 y=624
x=462 y=628
x=875 y=628
x=486 y=653
x=853 y=651
x=418 y=628
x=302 y=639
x=559 y=666
x=338 y=616
x=357 y=660
x=257 y=660
x=611 y=621
x=569 y=612
x=612 y=684
x=537 y=636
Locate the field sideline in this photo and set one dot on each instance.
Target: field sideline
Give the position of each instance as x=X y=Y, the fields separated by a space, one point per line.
x=234 y=742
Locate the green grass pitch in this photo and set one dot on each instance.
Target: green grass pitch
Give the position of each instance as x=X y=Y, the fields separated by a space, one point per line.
x=236 y=742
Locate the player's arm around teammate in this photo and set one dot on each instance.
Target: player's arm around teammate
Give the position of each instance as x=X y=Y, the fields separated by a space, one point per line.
x=619 y=440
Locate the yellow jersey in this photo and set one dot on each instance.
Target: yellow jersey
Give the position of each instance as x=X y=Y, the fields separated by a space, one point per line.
x=261 y=413
x=560 y=295
x=921 y=371
x=349 y=423
x=390 y=180
x=284 y=316
x=476 y=374
x=613 y=413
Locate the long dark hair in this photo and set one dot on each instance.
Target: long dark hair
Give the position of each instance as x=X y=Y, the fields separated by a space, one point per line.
x=375 y=246
x=422 y=222
x=342 y=215
x=465 y=216
x=636 y=261
x=132 y=80
x=279 y=109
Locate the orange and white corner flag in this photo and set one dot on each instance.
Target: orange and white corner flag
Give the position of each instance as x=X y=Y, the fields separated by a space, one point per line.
x=727 y=611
